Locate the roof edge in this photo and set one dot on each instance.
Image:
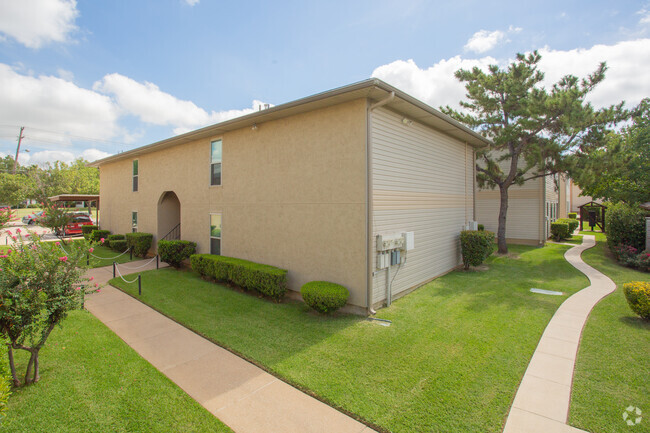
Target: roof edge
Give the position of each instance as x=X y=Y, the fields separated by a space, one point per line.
x=250 y=119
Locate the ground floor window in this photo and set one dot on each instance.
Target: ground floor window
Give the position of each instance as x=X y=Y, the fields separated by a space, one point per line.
x=215 y=234
x=134 y=222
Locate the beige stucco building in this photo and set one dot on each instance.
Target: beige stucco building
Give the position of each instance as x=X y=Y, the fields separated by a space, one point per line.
x=308 y=186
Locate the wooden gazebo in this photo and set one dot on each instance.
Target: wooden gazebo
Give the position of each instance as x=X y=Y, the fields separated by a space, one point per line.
x=594 y=214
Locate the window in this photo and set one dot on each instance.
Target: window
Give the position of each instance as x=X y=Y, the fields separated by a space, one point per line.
x=215 y=234
x=134 y=222
x=215 y=163
x=135 y=175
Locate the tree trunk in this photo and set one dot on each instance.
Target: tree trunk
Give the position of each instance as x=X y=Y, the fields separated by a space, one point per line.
x=503 y=211
x=12 y=365
x=37 y=376
x=30 y=364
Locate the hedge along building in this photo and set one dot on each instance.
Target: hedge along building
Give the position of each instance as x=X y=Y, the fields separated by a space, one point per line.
x=532 y=207
x=308 y=186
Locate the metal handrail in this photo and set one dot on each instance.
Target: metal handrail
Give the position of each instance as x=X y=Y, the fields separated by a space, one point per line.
x=174 y=234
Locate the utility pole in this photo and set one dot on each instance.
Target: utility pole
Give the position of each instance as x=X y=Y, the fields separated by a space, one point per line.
x=20 y=138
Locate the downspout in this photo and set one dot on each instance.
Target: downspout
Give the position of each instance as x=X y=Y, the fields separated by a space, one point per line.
x=370 y=251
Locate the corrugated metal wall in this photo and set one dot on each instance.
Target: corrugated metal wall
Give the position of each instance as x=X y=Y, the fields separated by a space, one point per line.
x=523 y=218
x=422 y=181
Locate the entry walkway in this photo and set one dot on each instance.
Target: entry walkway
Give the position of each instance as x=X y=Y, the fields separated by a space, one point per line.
x=542 y=401
x=240 y=394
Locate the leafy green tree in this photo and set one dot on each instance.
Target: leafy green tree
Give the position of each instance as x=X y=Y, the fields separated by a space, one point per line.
x=532 y=129
x=61 y=178
x=39 y=284
x=55 y=217
x=12 y=188
x=620 y=171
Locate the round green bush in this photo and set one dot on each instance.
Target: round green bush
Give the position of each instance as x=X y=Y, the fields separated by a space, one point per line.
x=559 y=231
x=475 y=247
x=174 y=252
x=637 y=294
x=323 y=296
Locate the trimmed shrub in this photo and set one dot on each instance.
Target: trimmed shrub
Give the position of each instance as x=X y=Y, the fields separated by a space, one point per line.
x=87 y=231
x=476 y=246
x=139 y=243
x=573 y=224
x=97 y=235
x=119 y=245
x=114 y=238
x=559 y=231
x=481 y=228
x=637 y=294
x=174 y=252
x=642 y=261
x=323 y=296
x=625 y=226
x=573 y=215
x=268 y=280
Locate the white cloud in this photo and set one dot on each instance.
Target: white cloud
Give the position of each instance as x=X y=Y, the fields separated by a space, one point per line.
x=152 y=105
x=34 y=23
x=191 y=2
x=435 y=85
x=645 y=16
x=627 y=61
x=485 y=40
x=54 y=104
x=91 y=155
x=49 y=156
x=65 y=74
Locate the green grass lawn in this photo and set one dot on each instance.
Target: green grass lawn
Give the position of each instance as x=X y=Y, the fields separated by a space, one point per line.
x=613 y=365
x=106 y=256
x=91 y=381
x=575 y=239
x=451 y=361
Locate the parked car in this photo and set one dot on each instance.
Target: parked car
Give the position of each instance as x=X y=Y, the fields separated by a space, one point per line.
x=32 y=218
x=77 y=221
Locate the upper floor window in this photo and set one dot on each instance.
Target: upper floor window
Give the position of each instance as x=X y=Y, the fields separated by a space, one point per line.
x=215 y=163
x=135 y=175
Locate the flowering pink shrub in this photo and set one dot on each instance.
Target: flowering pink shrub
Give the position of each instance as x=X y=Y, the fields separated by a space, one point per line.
x=38 y=287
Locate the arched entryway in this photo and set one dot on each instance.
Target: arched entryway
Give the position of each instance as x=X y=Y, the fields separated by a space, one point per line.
x=169 y=216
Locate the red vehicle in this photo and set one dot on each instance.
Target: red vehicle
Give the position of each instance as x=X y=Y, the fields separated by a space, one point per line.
x=77 y=221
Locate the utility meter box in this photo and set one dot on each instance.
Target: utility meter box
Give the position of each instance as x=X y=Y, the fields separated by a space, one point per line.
x=386 y=242
x=409 y=240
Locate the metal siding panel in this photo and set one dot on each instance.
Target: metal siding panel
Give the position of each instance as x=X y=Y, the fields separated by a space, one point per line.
x=422 y=182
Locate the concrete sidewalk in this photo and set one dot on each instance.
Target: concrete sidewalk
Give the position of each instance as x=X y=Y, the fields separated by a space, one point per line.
x=240 y=394
x=542 y=401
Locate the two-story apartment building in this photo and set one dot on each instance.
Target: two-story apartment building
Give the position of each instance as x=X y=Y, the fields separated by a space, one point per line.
x=309 y=186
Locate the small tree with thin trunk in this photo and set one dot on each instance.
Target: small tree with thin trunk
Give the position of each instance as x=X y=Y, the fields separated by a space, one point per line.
x=55 y=217
x=39 y=284
x=534 y=131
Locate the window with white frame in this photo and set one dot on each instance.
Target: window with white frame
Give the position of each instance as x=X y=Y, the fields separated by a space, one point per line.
x=135 y=175
x=215 y=234
x=215 y=162
x=134 y=221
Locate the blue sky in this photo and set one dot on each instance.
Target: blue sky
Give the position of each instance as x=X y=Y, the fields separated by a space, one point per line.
x=91 y=78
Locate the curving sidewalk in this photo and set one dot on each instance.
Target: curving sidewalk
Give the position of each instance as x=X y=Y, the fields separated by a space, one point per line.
x=243 y=396
x=541 y=404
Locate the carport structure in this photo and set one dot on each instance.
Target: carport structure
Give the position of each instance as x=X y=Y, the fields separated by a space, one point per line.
x=86 y=198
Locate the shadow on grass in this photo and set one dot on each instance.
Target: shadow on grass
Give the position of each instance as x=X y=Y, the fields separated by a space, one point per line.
x=635 y=322
x=235 y=319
